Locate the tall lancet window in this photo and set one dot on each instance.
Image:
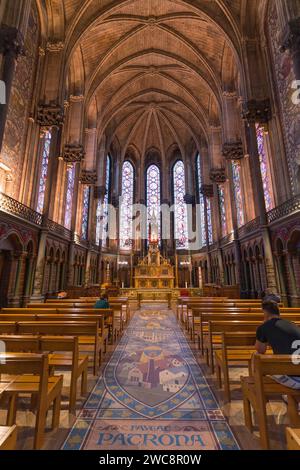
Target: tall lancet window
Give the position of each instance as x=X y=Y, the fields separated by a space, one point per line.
x=222 y=207
x=238 y=194
x=44 y=170
x=69 y=195
x=202 y=206
x=180 y=213
x=153 y=196
x=85 y=212
x=105 y=201
x=264 y=166
x=126 y=212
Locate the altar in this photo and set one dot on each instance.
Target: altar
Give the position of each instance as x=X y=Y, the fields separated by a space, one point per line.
x=153 y=271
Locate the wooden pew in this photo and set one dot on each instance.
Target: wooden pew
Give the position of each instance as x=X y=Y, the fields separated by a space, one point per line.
x=201 y=318
x=216 y=328
x=76 y=363
x=114 y=315
x=187 y=313
x=87 y=332
x=293 y=438
x=28 y=314
x=32 y=371
x=213 y=338
x=260 y=387
x=8 y=437
x=236 y=348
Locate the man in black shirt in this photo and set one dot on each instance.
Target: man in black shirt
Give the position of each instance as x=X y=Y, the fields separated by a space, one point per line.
x=282 y=335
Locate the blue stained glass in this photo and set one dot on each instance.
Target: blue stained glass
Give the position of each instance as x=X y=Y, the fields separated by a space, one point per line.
x=69 y=195
x=181 y=222
x=126 y=212
x=201 y=202
x=222 y=207
x=85 y=212
x=44 y=170
x=98 y=221
x=209 y=221
x=264 y=167
x=153 y=195
x=238 y=196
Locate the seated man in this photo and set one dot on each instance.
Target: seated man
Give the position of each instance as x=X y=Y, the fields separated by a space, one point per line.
x=102 y=302
x=282 y=335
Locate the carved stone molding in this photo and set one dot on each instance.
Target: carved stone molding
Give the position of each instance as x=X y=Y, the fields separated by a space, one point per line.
x=73 y=153
x=88 y=177
x=11 y=41
x=55 y=46
x=189 y=199
x=257 y=111
x=291 y=36
x=207 y=190
x=76 y=98
x=233 y=150
x=49 y=115
x=217 y=175
x=99 y=192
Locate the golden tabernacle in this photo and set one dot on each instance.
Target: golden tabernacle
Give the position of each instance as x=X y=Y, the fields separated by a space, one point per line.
x=154 y=271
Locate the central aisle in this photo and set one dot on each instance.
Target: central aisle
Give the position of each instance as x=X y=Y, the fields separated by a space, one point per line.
x=152 y=395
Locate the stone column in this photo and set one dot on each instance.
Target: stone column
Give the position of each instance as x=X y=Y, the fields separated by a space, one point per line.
x=11 y=46
x=50 y=116
x=208 y=192
x=40 y=265
x=233 y=151
x=217 y=177
x=259 y=112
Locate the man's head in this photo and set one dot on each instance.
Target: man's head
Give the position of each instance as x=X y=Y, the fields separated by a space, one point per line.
x=104 y=297
x=270 y=310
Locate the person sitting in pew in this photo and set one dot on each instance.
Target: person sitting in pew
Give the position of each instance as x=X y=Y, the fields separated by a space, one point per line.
x=102 y=302
x=282 y=335
x=269 y=296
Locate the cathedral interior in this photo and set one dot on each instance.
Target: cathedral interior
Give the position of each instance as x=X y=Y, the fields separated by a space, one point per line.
x=107 y=106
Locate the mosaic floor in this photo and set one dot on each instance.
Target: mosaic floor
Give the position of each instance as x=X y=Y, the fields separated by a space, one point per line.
x=152 y=395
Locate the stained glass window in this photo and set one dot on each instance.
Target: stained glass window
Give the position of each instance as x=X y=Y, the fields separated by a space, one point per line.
x=209 y=221
x=264 y=167
x=180 y=215
x=201 y=201
x=44 y=170
x=126 y=212
x=238 y=196
x=153 y=195
x=98 y=221
x=222 y=207
x=85 y=212
x=69 y=194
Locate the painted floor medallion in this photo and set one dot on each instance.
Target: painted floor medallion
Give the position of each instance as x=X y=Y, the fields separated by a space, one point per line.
x=152 y=395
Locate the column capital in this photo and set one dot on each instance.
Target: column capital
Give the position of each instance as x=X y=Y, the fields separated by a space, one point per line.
x=55 y=47
x=88 y=177
x=73 y=153
x=233 y=150
x=291 y=36
x=257 y=111
x=218 y=175
x=11 y=41
x=207 y=190
x=49 y=115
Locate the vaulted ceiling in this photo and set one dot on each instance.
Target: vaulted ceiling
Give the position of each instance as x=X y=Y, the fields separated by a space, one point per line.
x=153 y=71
